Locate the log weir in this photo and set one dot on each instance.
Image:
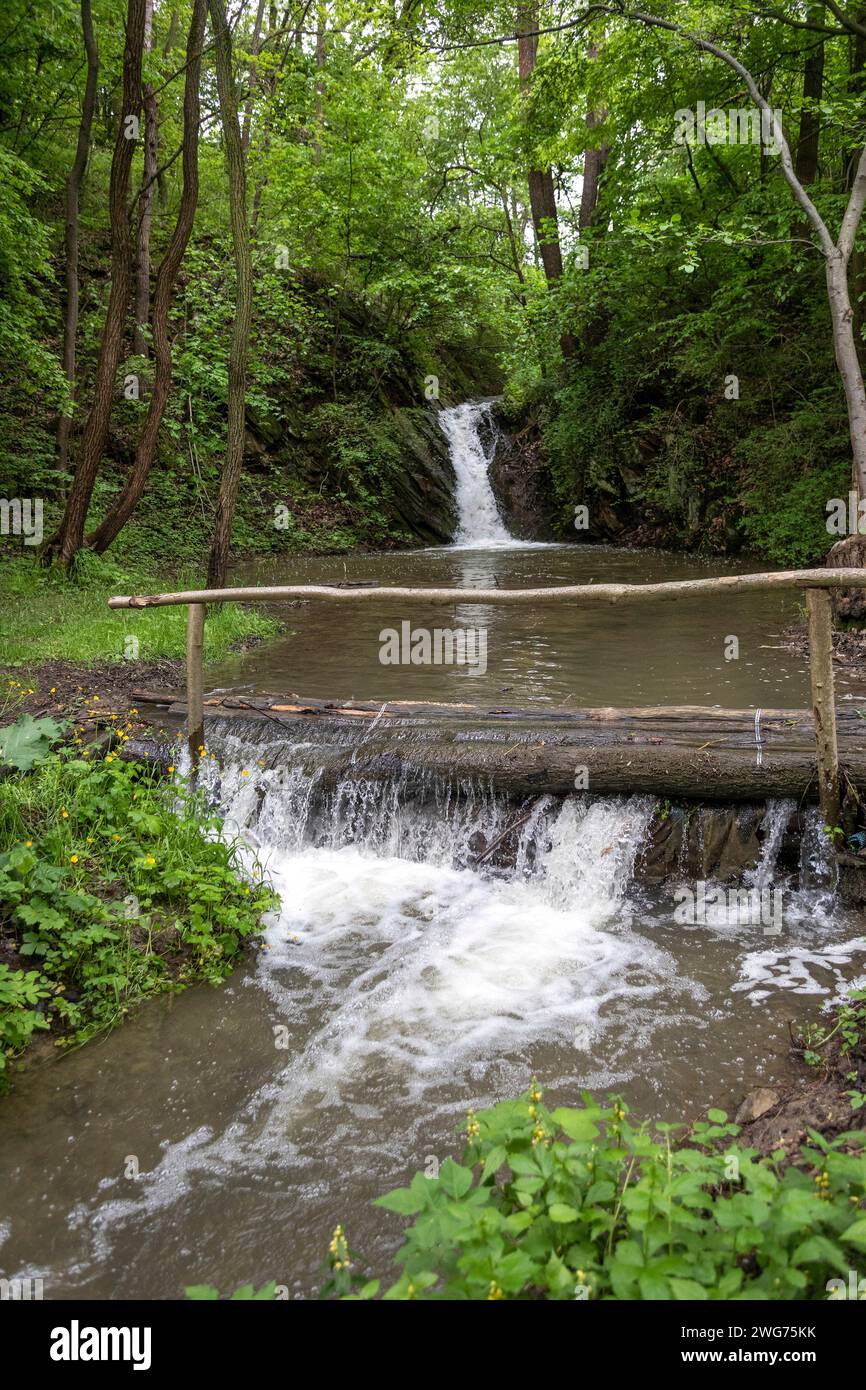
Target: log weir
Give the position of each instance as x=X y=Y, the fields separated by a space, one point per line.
x=684 y=752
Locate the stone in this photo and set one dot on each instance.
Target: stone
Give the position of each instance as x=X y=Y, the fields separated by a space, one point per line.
x=756 y=1104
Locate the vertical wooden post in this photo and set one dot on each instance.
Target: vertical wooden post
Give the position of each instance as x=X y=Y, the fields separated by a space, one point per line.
x=194 y=682
x=820 y=610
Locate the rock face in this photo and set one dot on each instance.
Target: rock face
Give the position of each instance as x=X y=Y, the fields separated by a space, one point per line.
x=355 y=447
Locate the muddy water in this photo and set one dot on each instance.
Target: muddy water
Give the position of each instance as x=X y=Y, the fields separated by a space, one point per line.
x=672 y=653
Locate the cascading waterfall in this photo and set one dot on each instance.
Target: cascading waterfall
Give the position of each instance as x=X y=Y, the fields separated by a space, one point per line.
x=479 y=522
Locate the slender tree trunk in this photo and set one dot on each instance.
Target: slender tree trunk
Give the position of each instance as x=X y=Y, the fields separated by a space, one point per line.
x=148 y=189
x=146 y=197
x=594 y=160
x=73 y=190
x=255 y=50
x=806 y=160
x=848 y=362
x=542 y=199
x=67 y=542
x=239 y=348
x=166 y=278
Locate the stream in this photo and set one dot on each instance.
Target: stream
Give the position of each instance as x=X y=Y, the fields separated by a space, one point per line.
x=219 y=1136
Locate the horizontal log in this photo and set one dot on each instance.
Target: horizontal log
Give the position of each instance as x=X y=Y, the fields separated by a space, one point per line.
x=584 y=595
x=673 y=752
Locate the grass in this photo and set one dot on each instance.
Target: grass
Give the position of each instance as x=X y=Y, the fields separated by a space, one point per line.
x=49 y=616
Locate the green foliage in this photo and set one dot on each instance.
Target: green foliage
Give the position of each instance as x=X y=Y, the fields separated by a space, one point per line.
x=27 y=742
x=579 y=1203
x=114 y=886
x=206 y=1293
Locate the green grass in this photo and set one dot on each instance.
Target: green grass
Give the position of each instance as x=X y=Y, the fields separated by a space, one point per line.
x=46 y=615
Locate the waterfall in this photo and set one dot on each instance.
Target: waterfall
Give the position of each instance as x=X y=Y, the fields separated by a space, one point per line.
x=479 y=522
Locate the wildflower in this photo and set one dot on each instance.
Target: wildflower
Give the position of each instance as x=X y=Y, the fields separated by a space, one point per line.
x=28 y=844
x=245 y=773
x=90 y=839
x=64 y=813
x=53 y=690
x=73 y=858
x=171 y=767
x=495 y=1291
x=115 y=837
x=150 y=861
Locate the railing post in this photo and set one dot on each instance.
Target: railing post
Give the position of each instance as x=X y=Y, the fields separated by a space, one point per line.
x=194 y=682
x=820 y=610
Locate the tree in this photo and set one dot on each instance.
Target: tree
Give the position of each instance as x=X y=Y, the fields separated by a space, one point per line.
x=239 y=349
x=65 y=545
x=146 y=192
x=166 y=280
x=73 y=189
x=836 y=252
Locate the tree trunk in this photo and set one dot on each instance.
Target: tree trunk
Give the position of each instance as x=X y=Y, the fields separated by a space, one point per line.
x=148 y=189
x=73 y=189
x=594 y=160
x=166 y=279
x=542 y=199
x=849 y=365
x=237 y=178
x=806 y=154
x=255 y=49
x=66 y=543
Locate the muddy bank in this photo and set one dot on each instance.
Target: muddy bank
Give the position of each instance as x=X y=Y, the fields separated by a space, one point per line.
x=780 y=1117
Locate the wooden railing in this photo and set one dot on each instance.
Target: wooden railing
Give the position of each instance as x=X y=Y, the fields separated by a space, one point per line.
x=816 y=583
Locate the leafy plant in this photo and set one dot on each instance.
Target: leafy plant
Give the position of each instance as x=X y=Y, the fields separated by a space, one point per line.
x=26 y=742
x=579 y=1203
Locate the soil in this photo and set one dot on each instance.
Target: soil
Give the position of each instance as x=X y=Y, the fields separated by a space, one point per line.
x=817 y=1101
x=65 y=689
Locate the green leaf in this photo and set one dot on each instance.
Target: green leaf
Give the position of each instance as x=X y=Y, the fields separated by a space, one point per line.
x=685 y=1289
x=455 y=1179
x=579 y=1125
x=26 y=742
x=856 y=1234
x=561 y=1213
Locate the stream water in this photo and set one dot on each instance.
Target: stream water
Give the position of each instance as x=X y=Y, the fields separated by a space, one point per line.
x=220 y=1136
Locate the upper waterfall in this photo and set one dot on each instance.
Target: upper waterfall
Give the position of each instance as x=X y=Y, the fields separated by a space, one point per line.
x=479 y=522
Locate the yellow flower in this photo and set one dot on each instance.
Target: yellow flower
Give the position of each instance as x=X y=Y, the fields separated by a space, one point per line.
x=64 y=813
x=115 y=837
x=151 y=861
x=28 y=844
x=90 y=839
x=53 y=690
x=171 y=767
x=73 y=858
x=245 y=773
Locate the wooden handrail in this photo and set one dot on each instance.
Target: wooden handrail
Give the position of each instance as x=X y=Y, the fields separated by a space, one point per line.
x=588 y=594
x=815 y=582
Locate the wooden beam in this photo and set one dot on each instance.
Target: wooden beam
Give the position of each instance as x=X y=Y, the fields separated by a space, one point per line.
x=194 y=682
x=820 y=612
x=584 y=595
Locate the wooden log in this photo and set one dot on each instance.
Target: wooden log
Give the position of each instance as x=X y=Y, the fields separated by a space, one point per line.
x=584 y=595
x=820 y=613
x=194 y=682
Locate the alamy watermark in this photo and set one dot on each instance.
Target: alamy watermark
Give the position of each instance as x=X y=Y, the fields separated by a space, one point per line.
x=438 y=646
x=711 y=905
x=22 y=516
x=738 y=126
